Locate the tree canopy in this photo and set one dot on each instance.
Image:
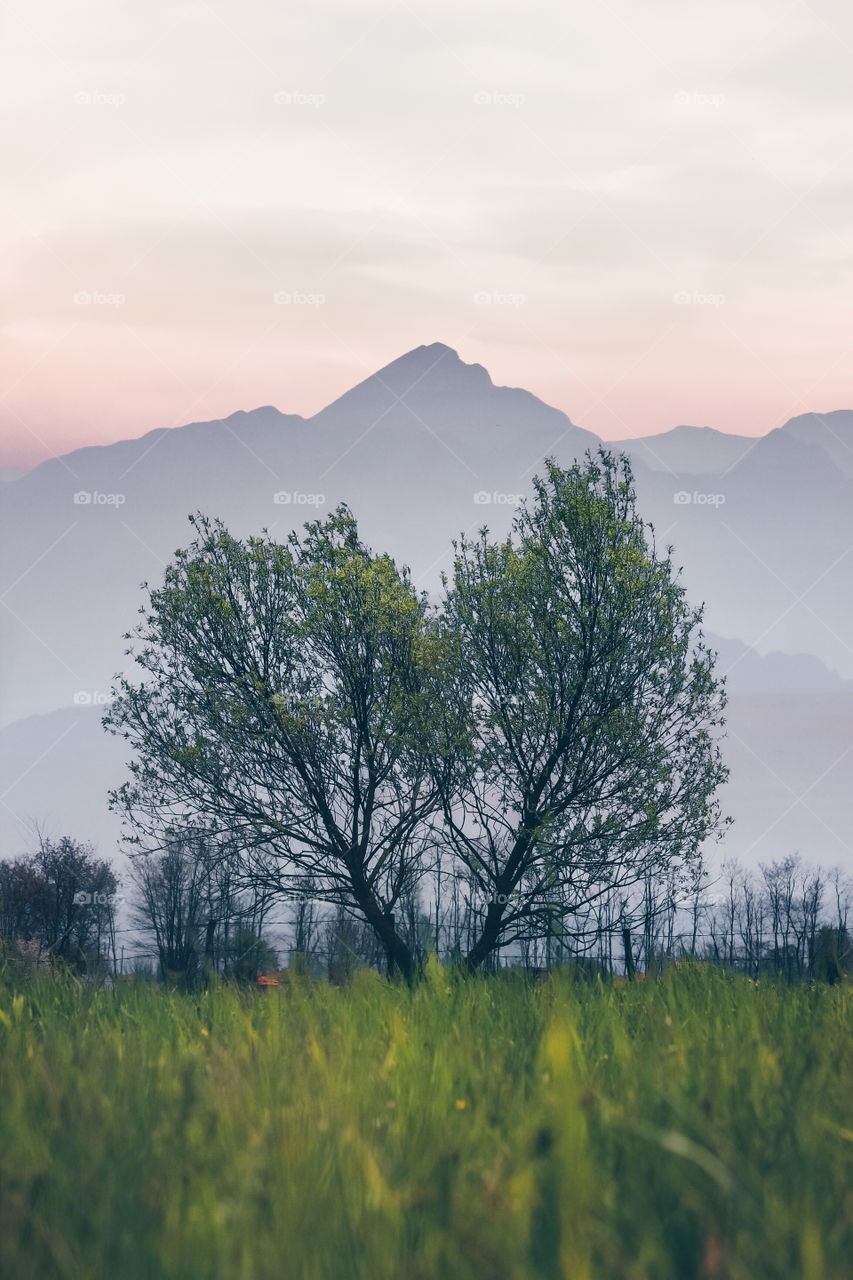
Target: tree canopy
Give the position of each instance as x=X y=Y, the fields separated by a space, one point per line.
x=550 y=724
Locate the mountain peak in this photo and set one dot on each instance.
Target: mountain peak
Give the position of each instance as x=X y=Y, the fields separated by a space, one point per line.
x=428 y=359
x=432 y=368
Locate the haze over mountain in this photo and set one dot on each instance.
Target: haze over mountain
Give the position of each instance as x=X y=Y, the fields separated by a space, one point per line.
x=426 y=447
x=688 y=450
x=408 y=449
x=788 y=743
x=423 y=449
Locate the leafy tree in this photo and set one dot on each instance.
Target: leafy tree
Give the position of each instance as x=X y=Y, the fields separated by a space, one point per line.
x=62 y=899
x=285 y=695
x=591 y=705
x=550 y=729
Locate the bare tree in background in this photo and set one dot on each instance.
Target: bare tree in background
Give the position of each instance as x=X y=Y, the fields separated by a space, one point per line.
x=191 y=902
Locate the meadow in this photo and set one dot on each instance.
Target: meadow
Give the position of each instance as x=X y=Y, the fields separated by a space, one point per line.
x=699 y=1125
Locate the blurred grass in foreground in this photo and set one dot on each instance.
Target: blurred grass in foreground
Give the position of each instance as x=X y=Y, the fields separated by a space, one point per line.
x=698 y=1126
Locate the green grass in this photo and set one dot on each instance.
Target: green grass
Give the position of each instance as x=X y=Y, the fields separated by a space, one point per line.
x=698 y=1126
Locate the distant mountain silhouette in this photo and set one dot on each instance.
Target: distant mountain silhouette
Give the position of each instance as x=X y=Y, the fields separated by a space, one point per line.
x=748 y=672
x=425 y=448
x=408 y=449
x=688 y=450
x=832 y=431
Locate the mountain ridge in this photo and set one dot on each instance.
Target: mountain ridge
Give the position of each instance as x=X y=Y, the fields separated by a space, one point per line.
x=422 y=453
x=662 y=450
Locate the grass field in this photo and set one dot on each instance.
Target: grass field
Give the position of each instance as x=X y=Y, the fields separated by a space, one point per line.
x=696 y=1126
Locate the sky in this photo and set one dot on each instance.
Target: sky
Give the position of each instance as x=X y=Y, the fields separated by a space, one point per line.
x=640 y=211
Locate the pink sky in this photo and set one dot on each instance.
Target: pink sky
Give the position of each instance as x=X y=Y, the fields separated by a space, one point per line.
x=645 y=225
x=100 y=389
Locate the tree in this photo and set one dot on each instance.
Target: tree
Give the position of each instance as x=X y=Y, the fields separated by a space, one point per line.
x=590 y=757
x=189 y=902
x=549 y=730
x=171 y=895
x=285 y=694
x=62 y=899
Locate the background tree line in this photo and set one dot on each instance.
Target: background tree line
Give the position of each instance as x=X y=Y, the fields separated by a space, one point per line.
x=783 y=918
x=186 y=918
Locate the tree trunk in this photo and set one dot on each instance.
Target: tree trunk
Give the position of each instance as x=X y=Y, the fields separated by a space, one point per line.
x=488 y=939
x=209 y=961
x=398 y=956
x=629 y=956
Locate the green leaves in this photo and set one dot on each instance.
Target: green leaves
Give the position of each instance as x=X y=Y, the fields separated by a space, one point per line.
x=576 y=667
x=549 y=725
x=289 y=703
